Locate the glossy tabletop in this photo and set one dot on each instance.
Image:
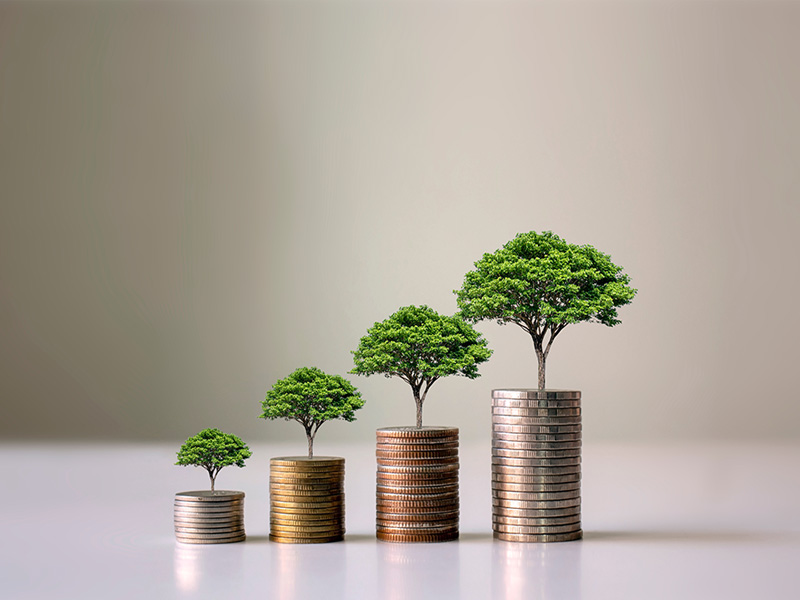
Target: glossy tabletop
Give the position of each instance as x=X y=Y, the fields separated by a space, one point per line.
x=661 y=521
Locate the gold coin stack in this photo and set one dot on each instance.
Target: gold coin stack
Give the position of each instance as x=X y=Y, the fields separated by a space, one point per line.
x=536 y=465
x=306 y=499
x=206 y=517
x=417 y=484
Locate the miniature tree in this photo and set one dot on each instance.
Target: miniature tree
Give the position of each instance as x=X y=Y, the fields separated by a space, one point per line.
x=541 y=283
x=213 y=450
x=312 y=397
x=420 y=346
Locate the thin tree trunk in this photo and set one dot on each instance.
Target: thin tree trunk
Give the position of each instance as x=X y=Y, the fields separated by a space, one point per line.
x=212 y=477
x=542 y=360
x=419 y=411
x=310 y=445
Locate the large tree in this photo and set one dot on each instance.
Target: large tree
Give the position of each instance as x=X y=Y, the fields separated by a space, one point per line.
x=420 y=346
x=213 y=450
x=541 y=283
x=311 y=397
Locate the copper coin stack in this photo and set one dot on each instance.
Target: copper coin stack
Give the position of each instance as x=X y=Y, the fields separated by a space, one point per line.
x=306 y=499
x=417 y=484
x=206 y=517
x=536 y=465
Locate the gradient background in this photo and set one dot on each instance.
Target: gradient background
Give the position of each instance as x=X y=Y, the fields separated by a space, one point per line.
x=198 y=197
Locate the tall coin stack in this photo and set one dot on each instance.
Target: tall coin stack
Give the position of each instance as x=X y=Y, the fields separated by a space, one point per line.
x=306 y=499
x=536 y=465
x=206 y=517
x=417 y=484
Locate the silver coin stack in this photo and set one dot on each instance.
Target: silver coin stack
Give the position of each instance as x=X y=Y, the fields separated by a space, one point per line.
x=536 y=465
x=206 y=517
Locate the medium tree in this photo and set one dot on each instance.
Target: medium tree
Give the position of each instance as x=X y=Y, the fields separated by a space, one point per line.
x=213 y=450
x=420 y=346
x=541 y=283
x=312 y=397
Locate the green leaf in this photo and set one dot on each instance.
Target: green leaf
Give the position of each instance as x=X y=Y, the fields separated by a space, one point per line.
x=419 y=345
x=213 y=450
x=310 y=396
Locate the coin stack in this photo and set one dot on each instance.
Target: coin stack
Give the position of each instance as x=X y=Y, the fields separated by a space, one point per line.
x=206 y=517
x=306 y=499
x=417 y=484
x=536 y=465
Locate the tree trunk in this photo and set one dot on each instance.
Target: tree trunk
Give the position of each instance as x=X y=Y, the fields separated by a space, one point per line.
x=419 y=411
x=542 y=360
x=212 y=478
x=310 y=445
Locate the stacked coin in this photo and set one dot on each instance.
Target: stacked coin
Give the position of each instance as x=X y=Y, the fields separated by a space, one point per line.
x=306 y=499
x=206 y=517
x=536 y=465
x=417 y=484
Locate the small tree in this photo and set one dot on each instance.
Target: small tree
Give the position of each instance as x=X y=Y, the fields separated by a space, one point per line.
x=541 y=283
x=420 y=346
x=311 y=397
x=213 y=450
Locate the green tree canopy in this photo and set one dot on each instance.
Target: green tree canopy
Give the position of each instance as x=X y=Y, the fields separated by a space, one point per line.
x=419 y=346
x=213 y=450
x=541 y=283
x=311 y=397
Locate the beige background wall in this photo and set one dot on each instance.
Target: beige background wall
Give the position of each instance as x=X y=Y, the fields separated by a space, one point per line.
x=198 y=197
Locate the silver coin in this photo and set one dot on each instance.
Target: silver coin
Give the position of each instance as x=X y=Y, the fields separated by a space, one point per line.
x=536 y=496
x=535 y=437
x=537 y=522
x=208 y=505
x=209 y=531
x=207 y=536
x=224 y=541
x=535 y=393
x=207 y=513
x=541 y=487
x=571 y=445
x=208 y=516
x=210 y=524
x=569 y=461
x=542 y=421
x=526 y=411
x=526 y=472
x=555 y=537
x=527 y=529
x=540 y=505
x=209 y=508
x=209 y=496
x=522 y=453
x=546 y=429
x=521 y=471
x=532 y=513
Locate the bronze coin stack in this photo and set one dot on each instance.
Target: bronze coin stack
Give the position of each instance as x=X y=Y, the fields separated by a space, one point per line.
x=536 y=465
x=206 y=517
x=306 y=499
x=417 y=484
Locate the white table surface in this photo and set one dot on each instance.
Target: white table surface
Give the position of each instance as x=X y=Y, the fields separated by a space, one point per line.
x=661 y=521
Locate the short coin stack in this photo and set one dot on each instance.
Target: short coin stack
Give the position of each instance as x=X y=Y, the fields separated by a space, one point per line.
x=206 y=517
x=536 y=465
x=306 y=499
x=417 y=484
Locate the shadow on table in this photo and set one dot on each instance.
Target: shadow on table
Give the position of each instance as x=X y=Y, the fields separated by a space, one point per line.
x=713 y=537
